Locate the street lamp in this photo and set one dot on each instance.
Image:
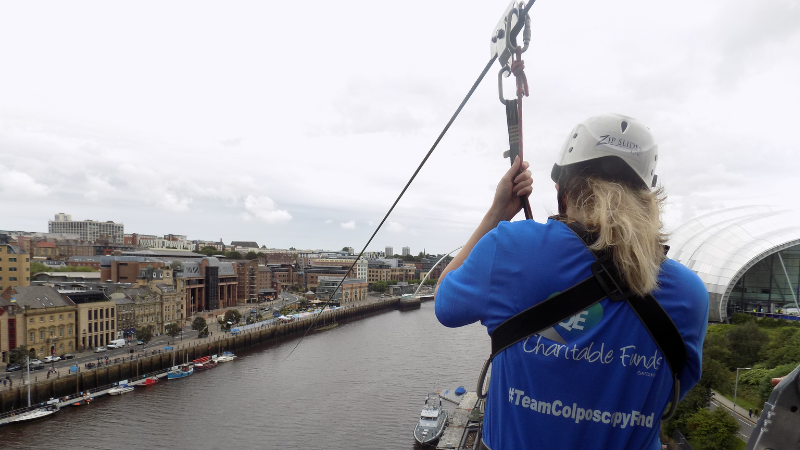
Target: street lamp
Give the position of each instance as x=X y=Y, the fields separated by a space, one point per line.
x=736 y=386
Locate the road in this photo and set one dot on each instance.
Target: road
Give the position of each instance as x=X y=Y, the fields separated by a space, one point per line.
x=746 y=425
x=189 y=337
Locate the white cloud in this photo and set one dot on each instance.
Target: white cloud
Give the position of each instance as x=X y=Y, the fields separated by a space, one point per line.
x=171 y=201
x=19 y=184
x=349 y=225
x=328 y=222
x=395 y=227
x=262 y=207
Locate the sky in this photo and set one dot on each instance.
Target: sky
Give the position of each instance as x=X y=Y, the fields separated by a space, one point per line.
x=299 y=126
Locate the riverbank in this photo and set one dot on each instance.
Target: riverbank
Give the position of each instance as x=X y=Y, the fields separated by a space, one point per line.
x=91 y=379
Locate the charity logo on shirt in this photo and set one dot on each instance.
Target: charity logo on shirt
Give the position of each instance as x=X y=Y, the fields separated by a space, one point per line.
x=573 y=327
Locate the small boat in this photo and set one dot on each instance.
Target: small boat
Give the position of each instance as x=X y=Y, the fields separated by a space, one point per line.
x=182 y=371
x=34 y=414
x=225 y=357
x=432 y=421
x=121 y=389
x=150 y=381
x=81 y=401
x=204 y=363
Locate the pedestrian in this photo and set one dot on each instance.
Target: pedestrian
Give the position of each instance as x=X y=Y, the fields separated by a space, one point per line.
x=756 y=413
x=4 y=382
x=505 y=268
x=750 y=413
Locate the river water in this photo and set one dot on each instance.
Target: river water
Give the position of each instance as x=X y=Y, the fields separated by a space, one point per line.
x=360 y=385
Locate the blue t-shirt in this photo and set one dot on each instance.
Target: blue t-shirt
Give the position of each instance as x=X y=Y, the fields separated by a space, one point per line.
x=596 y=380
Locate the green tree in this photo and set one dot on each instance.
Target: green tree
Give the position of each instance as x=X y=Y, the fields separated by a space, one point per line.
x=715 y=375
x=173 y=330
x=251 y=255
x=430 y=281
x=233 y=255
x=699 y=397
x=745 y=344
x=209 y=251
x=199 y=324
x=345 y=249
x=19 y=356
x=378 y=286
x=144 y=334
x=233 y=316
x=712 y=430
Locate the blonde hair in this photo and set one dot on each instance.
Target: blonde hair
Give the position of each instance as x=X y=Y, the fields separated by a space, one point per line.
x=627 y=220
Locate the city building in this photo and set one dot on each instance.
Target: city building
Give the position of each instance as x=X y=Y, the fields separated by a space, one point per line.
x=126 y=315
x=748 y=258
x=247 y=281
x=351 y=290
x=39 y=318
x=85 y=261
x=15 y=265
x=88 y=230
x=406 y=251
x=389 y=252
x=96 y=318
x=344 y=262
x=45 y=250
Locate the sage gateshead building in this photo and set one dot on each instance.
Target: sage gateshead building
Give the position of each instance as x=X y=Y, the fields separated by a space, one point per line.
x=748 y=257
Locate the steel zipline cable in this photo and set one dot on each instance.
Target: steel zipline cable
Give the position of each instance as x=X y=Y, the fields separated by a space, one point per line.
x=424 y=160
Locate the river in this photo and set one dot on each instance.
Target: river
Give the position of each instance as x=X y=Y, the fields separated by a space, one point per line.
x=360 y=385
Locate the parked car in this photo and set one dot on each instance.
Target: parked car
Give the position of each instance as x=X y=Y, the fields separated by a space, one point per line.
x=139 y=342
x=39 y=366
x=13 y=368
x=35 y=361
x=48 y=359
x=99 y=349
x=67 y=356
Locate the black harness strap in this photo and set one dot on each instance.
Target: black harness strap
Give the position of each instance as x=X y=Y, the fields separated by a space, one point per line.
x=605 y=282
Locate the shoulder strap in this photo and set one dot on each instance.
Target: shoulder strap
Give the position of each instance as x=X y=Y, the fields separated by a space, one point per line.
x=604 y=282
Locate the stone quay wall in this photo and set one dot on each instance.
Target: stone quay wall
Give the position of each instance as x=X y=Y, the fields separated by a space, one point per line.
x=85 y=380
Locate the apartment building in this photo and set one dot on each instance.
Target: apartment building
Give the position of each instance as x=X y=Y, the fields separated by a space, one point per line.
x=88 y=230
x=15 y=265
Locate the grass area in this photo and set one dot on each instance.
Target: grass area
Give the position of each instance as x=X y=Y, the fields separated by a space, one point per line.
x=740 y=444
x=744 y=403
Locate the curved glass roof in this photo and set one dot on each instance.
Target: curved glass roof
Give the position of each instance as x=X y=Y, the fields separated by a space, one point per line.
x=722 y=245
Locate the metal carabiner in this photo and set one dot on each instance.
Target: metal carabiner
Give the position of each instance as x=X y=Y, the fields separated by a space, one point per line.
x=504 y=69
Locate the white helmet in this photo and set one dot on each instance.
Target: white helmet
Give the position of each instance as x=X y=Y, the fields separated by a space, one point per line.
x=611 y=145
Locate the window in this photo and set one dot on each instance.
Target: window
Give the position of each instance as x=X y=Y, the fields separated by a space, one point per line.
x=69 y=316
x=89 y=314
x=12 y=269
x=112 y=312
x=112 y=324
x=61 y=331
x=69 y=345
x=33 y=336
x=101 y=313
x=101 y=326
x=60 y=317
x=41 y=319
x=41 y=335
x=12 y=278
x=12 y=259
x=95 y=314
x=52 y=318
x=69 y=330
x=31 y=321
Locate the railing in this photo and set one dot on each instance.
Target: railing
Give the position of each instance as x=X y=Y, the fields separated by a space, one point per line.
x=680 y=442
x=772 y=315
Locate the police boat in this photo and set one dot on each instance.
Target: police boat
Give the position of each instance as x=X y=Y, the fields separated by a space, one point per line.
x=432 y=421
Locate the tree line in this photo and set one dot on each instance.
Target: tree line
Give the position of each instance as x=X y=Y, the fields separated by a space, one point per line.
x=770 y=348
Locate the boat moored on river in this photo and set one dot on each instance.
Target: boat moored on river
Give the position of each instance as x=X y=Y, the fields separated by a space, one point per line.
x=225 y=357
x=35 y=414
x=204 y=363
x=181 y=371
x=432 y=421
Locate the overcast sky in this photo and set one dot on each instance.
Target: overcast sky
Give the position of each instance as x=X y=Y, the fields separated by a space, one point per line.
x=299 y=126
